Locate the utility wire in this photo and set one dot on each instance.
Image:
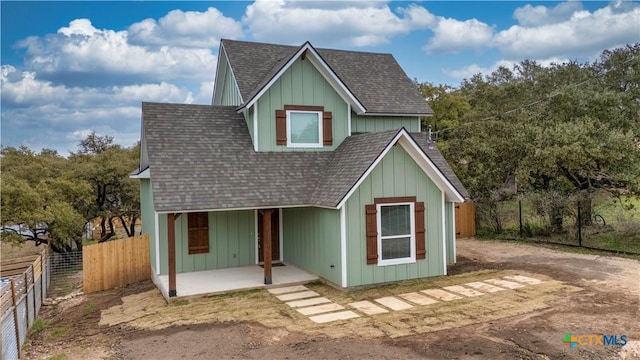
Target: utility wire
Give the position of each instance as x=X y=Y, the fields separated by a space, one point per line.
x=552 y=95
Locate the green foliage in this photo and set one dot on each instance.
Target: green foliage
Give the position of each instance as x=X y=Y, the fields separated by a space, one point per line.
x=566 y=129
x=47 y=198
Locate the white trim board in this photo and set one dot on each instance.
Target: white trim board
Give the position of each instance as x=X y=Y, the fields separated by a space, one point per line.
x=444 y=233
x=343 y=246
x=144 y=174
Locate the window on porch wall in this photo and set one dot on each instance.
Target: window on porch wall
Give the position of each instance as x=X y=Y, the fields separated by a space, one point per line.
x=198 y=233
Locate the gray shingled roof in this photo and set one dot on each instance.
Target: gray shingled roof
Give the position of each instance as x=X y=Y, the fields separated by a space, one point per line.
x=439 y=161
x=201 y=158
x=375 y=79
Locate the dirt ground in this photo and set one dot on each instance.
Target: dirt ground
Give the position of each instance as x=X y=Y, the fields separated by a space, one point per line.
x=581 y=294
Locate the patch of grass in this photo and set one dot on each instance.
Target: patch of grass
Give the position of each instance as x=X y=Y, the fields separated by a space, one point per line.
x=37 y=327
x=180 y=302
x=89 y=309
x=59 y=331
x=58 y=357
x=234 y=294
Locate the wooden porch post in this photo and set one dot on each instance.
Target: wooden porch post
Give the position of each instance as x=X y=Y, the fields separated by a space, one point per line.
x=171 y=243
x=266 y=244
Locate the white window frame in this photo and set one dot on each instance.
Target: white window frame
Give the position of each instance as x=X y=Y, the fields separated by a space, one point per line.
x=412 y=215
x=319 y=144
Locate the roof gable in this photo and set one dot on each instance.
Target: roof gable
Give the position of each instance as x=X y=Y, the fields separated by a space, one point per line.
x=306 y=51
x=375 y=81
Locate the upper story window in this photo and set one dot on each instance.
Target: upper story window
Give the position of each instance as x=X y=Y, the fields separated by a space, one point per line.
x=304 y=128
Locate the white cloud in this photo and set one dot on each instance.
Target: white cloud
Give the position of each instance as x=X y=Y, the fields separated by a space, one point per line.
x=186 y=29
x=366 y=24
x=451 y=36
x=38 y=113
x=584 y=33
x=473 y=69
x=529 y=15
x=102 y=56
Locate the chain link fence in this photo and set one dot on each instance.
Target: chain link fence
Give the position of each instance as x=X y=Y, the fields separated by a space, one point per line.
x=599 y=221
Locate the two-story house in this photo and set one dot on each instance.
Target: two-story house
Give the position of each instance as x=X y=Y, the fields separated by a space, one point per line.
x=311 y=158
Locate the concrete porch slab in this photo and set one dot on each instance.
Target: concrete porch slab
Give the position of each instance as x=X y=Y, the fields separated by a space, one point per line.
x=342 y=315
x=319 y=309
x=418 y=299
x=441 y=294
x=202 y=283
x=524 y=279
x=368 y=307
x=463 y=290
x=488 y=288
x=393 y=303
x=297 y=295
x=308 y=302
x=504 y=283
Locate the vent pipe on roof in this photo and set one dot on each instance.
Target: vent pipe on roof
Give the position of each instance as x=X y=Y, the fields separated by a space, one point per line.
x=429 y=138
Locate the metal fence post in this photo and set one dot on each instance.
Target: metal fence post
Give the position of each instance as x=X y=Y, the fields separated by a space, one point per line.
x=520 y=214
x=15 y=316
x=579 y=225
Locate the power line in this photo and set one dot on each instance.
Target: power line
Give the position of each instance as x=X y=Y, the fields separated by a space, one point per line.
x=552 y=95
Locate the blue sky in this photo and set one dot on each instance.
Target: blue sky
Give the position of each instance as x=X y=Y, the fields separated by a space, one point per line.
x=69 y=68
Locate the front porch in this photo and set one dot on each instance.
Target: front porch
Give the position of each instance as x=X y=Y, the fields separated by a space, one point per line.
x=203 y=283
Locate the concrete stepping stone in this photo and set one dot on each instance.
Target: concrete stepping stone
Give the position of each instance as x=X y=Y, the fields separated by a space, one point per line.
x=297 y=295
x=308 y=302
x=287 y=289
x=441 y=294
x=463 y=290
x=393 y=303
x=488 y=288
x=418 y=299
x=342 y=315
x=524 y=279
x=504 y=283
x=368 y=307
x=319 y=309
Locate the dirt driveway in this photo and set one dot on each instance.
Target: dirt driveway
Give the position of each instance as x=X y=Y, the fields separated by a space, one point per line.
x=581 y=294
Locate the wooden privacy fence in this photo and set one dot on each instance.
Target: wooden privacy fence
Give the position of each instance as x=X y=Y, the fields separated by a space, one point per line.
x=23 y=286
x=115 y=263
x=465 y=220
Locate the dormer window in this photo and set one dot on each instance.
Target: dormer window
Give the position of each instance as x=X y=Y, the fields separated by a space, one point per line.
x=304 y=128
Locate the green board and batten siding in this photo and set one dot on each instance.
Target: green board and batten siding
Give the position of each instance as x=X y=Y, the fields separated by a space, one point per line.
x=231 y=242
x=311 y=240
x=230 y=92
x=396 y=175
x=248 y=118
x=148 y=218
x=368 y=124
x=301 y=84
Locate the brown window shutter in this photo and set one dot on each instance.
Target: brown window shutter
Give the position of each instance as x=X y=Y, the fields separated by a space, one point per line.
x=420 y=238
x=372 y=234
x=327 y=133
x=198 y=233
x=281 y=127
